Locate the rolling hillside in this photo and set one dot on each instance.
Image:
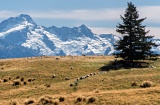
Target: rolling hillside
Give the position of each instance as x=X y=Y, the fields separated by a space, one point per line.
x=75 y=80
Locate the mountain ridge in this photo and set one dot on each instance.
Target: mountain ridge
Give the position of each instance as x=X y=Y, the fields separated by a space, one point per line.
x=23 y=33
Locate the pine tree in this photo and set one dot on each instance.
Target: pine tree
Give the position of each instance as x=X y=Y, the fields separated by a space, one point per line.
x=135 y=44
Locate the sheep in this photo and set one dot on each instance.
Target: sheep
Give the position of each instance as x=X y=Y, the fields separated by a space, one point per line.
x=94 y=73
x=31 y=79
x=91 y=74
x=83 y=77
x=53 y=76
x=71 y=68
x=87 y=76
x=66 y=78
x=77 y=79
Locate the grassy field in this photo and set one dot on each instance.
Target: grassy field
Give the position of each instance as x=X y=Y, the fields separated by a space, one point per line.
x=76 y=81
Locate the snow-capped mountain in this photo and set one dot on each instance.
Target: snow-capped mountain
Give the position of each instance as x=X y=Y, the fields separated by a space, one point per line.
x=21 y=37
x=156 y=49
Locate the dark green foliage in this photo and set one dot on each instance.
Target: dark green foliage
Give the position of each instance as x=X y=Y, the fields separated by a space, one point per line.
x=135 y=44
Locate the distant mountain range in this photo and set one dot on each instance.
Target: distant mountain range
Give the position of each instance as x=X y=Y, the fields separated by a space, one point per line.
x=21 y=37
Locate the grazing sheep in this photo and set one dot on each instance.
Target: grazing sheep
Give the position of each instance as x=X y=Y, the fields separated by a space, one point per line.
x=91 y=74
x=47 y=85
x=17 y=77
x=66 y=78
x=71 y=68
x=83 y=77
x=31 y=79
x=87 y=76
x=77 y=79
x=94 y=73
x=76 y=83
x=53 y=76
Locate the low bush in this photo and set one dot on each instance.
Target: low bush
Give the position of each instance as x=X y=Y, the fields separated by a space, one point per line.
x=80 y=99
x=61 y=99
x=29 y=102
x=91 y=100
x=133 y=84
x=13 y=103
x=146 y=84
x=16 y=83
x=22 y=79
x=46 y=100
x=5 y=80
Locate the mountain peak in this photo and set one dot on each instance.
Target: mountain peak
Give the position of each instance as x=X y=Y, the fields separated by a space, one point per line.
x=84 y=29
x=12 y=22
x=24 y=18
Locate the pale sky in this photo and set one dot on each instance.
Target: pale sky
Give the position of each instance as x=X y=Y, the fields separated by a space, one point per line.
x=101 y=16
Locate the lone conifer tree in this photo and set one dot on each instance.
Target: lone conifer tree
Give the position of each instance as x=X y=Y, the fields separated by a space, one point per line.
x=135 y=44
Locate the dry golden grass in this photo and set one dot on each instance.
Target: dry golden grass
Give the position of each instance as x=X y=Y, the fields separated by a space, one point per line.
x=107 y=88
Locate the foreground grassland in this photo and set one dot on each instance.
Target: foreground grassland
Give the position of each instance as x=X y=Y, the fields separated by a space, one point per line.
x=53 y=81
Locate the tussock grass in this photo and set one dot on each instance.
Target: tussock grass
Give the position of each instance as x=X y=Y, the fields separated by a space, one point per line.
x=61 y=99
x=111 y=87
x=91 y=100
x=146 y=84
x=29 y=101
x=13 y=102
x=80 y=99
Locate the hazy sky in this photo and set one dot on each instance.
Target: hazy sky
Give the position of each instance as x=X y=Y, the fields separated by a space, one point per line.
x=101 y=16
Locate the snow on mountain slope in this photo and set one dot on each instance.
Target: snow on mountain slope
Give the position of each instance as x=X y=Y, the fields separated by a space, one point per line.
x=156 y=50
x=23 y=35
